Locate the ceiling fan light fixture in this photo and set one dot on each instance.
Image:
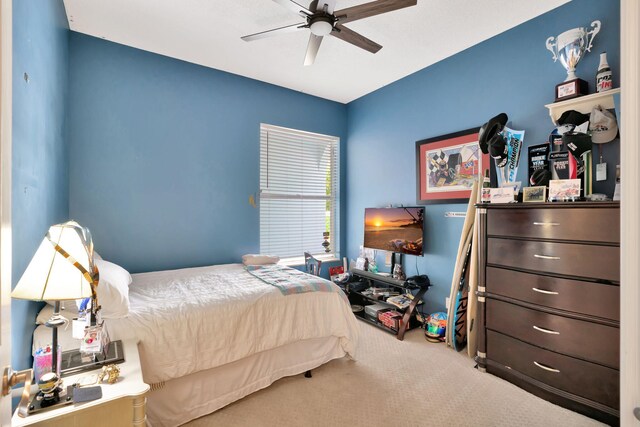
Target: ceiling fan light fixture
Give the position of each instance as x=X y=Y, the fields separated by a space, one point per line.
x=321 y=27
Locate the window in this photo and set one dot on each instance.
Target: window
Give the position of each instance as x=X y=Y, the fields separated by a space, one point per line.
x=298 y=192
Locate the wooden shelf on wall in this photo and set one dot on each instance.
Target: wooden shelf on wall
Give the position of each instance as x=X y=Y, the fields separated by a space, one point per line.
x=583 y=104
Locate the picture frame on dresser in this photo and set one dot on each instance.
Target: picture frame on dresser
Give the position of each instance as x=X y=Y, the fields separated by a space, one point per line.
x=534 y=194
x=447 y=165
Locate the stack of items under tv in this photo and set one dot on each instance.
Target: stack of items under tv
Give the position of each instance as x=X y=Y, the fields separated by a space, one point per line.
x=383 y=313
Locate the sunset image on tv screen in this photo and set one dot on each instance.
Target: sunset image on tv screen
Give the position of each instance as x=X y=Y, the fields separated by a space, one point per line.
x=394 y=229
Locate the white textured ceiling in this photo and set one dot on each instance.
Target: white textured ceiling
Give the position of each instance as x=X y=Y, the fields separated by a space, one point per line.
x=207 y=32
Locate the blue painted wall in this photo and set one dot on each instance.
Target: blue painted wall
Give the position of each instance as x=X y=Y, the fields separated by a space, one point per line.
x=165 y=154
x=512 y=72
x=40 y=155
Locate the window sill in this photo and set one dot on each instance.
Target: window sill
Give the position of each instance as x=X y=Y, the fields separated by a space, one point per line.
x=299 y=260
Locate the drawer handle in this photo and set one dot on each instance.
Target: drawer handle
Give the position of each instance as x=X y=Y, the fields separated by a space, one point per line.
x=542 y=291
x=551 y=224
x=546 y=368
x=546 y=257
x=546 y=331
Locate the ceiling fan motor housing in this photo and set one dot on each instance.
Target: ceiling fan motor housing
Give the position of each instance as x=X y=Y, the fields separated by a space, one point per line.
x=321 y=25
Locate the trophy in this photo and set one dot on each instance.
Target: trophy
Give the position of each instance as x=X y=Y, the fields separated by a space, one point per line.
x=569 y=47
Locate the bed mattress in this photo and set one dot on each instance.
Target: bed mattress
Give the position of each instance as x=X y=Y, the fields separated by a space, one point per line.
x=195 y=319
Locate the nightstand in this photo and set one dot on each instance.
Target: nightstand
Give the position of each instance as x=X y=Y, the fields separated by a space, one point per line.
x=122 y=403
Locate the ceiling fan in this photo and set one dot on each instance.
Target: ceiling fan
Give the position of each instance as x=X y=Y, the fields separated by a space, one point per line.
x=322 y=20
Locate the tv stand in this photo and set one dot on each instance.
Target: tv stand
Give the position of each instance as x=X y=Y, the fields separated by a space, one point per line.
x=409 y=320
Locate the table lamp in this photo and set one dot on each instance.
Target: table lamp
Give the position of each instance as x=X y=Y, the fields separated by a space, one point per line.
x=61 y=269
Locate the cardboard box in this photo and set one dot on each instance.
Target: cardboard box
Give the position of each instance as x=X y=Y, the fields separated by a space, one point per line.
x=391 y=319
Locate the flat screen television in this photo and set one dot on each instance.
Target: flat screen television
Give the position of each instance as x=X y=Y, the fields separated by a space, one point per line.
x=394 y=229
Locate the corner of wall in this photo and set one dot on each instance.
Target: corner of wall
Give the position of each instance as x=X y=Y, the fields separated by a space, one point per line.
x=40 y=165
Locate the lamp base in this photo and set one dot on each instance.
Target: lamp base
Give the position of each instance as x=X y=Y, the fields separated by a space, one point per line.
x=73 y=361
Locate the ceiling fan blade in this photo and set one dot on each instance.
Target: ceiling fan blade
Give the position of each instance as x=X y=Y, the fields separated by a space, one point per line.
x=329 y=4
x=294 y=7
x=356 y=39
x=371 y=9
x=312 y=49
x=275 y=32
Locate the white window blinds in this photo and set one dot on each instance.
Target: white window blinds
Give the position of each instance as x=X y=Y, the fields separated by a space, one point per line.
x=299 y=182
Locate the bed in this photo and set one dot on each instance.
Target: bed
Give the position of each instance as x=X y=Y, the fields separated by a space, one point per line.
x=209 y=336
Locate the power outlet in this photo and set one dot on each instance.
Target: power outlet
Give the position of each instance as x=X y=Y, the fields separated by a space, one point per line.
x=447 y=300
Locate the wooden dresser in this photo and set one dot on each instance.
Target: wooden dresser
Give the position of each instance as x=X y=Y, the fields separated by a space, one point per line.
x=549 y=302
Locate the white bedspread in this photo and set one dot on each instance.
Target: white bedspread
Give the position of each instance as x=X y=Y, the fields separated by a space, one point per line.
x=200 y=318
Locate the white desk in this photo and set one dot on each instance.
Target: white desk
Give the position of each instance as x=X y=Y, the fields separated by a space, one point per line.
x=122 y=403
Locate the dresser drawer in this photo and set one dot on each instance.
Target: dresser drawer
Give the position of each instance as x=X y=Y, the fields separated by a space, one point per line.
x=594 y=299
x=582 y=224
x=585 y=340
x=589 y=261
x=589 y=380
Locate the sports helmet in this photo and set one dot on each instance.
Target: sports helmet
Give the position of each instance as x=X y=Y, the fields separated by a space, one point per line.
x=435 y=326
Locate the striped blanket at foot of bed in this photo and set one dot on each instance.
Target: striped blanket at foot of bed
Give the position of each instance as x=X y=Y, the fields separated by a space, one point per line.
x=291 y=281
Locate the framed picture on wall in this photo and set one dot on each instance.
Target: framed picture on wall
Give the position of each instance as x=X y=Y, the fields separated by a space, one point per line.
x=447 y=165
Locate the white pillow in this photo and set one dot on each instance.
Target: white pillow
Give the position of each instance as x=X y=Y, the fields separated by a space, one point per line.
x=259 y=259
x=113 y=290
x=70 y=306
x=47 y=311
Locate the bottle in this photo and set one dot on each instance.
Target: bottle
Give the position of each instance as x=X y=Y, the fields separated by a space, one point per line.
x=486 y=181
x=603 y=77
x=485 y=195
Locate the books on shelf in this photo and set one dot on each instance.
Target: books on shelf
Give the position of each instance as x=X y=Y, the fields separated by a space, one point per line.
x=401 y=301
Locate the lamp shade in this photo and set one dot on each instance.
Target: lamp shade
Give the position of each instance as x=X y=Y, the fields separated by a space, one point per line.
x=62 y=267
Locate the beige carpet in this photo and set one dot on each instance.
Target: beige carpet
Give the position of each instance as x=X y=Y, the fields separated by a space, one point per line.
x=406 y=383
